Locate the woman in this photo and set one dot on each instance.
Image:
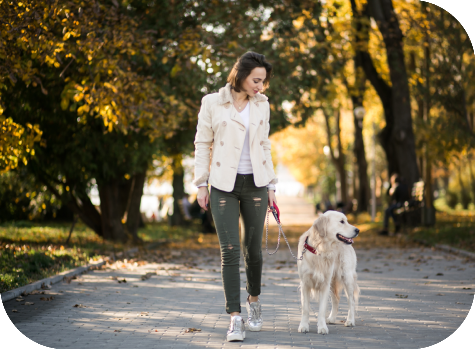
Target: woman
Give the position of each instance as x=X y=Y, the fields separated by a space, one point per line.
x=235 y=123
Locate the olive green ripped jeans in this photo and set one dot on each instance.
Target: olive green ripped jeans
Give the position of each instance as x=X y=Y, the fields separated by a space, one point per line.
x=250 y=202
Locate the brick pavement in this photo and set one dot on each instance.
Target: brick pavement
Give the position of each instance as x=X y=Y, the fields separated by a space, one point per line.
x=156 y=312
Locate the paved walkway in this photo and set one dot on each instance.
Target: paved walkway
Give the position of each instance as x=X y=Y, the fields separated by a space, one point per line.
x=294 y=211
x=185 y=291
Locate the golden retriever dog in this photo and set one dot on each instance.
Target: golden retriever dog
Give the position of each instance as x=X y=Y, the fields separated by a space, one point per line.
x=327 y=267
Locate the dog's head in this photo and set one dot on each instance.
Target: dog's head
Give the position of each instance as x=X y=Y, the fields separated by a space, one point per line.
x=333 y=225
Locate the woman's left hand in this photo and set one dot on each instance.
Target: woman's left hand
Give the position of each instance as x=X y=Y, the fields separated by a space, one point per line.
x=271 y=198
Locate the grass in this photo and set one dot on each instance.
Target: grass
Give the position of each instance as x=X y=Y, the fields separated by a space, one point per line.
x=453 y=229
x=33 y=251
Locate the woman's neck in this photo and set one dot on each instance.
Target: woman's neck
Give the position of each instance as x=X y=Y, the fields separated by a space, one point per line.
x=239 y=96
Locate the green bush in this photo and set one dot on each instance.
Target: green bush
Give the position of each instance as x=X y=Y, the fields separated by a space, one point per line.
x=452 y=199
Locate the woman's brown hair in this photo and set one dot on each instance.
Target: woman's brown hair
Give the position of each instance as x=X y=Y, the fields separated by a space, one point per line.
x=244 y=66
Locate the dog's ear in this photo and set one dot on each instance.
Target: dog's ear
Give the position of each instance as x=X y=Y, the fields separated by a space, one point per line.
x=320 y=225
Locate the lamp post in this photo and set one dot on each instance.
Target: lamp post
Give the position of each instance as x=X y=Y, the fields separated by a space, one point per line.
x=373 y=176
x=359 y=114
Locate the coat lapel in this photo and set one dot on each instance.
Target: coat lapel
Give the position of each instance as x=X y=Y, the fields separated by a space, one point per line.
x=255 y=115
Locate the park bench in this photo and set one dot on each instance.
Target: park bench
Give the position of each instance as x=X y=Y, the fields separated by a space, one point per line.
x=410 y=213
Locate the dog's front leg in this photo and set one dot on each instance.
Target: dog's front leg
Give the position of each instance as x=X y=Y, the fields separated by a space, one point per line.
x=305 y=299
x=350 y=292
x=322 y=312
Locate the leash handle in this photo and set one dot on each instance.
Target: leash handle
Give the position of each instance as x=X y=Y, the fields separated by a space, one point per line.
x=276 y=212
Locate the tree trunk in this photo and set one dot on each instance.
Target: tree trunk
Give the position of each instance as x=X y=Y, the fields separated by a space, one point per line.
x=401 y=136
x=111 y=211
x=339 y=162
x=178 y=190
x=132 y=215
x=472 y=178
x=360 y=40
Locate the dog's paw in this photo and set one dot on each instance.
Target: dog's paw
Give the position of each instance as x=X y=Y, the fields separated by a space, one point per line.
x=350 y=323
x=303 y=328
x=331 y=320
x=322 y=329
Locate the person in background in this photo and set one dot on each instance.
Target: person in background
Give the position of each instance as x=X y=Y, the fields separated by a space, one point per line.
x=398 y=194
x=186 y=206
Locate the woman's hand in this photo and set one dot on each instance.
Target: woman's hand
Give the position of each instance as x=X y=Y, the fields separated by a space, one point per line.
x=271 y=198
x=203 y=197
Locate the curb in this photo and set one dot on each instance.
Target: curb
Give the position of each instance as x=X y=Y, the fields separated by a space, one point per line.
x=448 y=249
x=6 y=296
x=454 y=250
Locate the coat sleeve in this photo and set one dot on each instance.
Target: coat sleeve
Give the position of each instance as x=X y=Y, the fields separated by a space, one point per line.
x=203 y=143
x=267 y=147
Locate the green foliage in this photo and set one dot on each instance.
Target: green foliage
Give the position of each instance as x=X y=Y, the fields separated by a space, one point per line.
x=452 y=229
x=451 y=199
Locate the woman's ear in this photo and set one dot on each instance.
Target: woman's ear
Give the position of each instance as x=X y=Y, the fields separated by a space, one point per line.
x=320 y=225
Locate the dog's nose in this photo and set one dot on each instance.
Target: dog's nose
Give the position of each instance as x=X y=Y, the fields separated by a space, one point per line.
x=357 y=230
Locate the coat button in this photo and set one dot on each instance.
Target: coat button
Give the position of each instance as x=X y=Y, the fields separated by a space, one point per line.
x=224 y=123
x=256 y=104
x=261 y=122
x=262 y=142
x=218 y=164
x=222 y=143
x=227 y=106
x=264 y=162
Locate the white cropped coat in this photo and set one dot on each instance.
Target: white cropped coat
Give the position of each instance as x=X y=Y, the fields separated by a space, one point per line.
x=220 y=137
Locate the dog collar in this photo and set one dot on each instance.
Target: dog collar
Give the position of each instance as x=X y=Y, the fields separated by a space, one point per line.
x=308 y=247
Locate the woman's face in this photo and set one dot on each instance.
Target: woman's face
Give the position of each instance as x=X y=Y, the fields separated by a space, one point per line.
x=255 y=81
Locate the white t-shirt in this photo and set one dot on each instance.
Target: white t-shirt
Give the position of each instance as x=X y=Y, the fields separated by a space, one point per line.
x=245 y=165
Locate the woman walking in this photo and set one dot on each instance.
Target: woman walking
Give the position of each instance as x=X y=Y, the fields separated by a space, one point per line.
x=234 y=123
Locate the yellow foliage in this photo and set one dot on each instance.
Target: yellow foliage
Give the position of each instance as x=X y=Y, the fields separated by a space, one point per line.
x=16 y=142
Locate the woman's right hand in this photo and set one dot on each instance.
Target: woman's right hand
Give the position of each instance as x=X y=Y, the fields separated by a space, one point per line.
x=203 y=197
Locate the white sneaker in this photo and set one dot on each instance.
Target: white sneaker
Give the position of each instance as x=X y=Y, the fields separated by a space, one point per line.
x=236 y=329
x=254 y=316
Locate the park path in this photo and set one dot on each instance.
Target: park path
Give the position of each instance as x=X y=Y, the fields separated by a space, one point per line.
x=294 y=211
x=435 y=294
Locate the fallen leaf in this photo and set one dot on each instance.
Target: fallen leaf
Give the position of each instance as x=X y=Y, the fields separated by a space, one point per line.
x=122 y=281
x=15 y=311
x=39 y=292
x=439 y=274
x=440 y=294
x=45 y=287
x=144 y=313
x=79 y=306
x=192 y=329
x=425 y=277
x=401 y=295
x=366 y=270
x=68 y=279
x=148 y=276
x=117 y=331
x=29 y=303
x=466 y=288
x=19 y=299
x=135 y=286
x=47 y=299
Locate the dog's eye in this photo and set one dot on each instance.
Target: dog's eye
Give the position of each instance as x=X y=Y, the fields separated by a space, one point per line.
x=342 y=221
